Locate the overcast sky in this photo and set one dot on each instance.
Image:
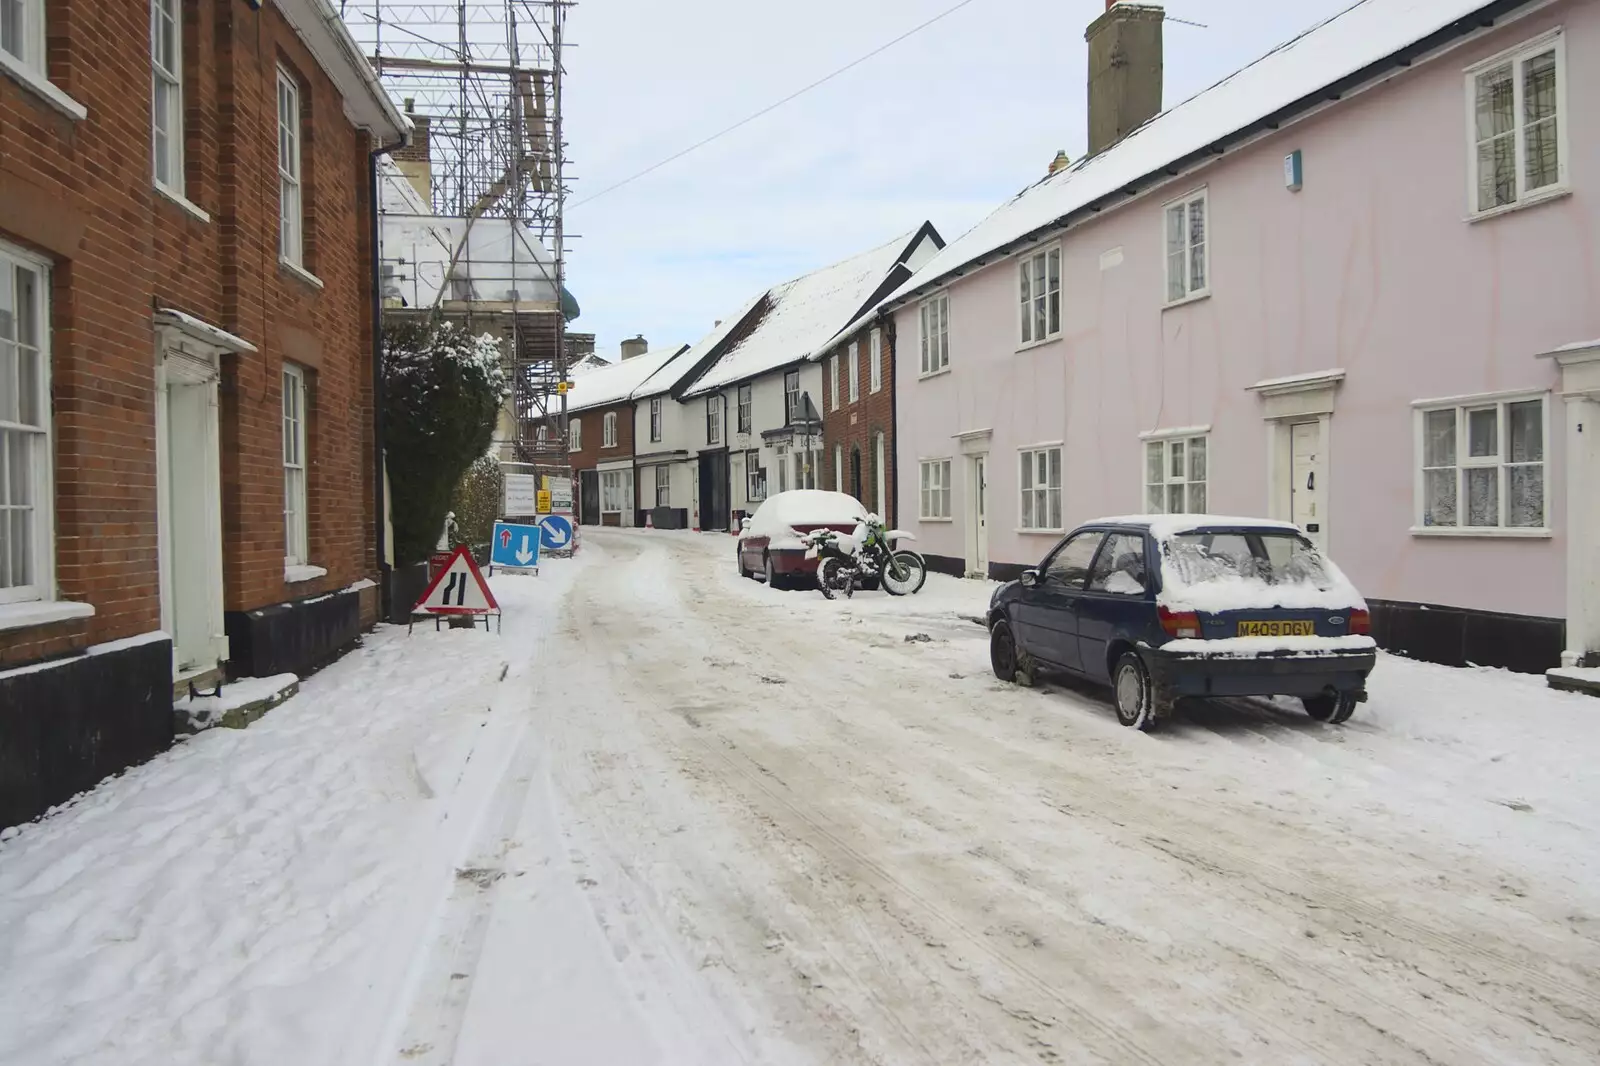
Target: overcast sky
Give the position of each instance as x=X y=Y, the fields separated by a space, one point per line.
x=943 y=126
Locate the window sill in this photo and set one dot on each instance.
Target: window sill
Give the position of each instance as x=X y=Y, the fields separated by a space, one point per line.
x=1031 y=345
x=191 y=208
x=42 y=613
x=1039 y=532
x=300 y=272
x=1543 y=196
x=1497 y=532
x=294 y=575
x=41 y=86
x=1193 y=297
x=933 y=373
x=942 y=521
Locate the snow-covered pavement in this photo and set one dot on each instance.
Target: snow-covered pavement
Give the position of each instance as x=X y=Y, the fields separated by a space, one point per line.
x=670 y=816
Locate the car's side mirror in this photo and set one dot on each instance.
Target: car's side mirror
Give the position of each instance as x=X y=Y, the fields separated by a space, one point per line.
x=1030 y=578
x=744 y=525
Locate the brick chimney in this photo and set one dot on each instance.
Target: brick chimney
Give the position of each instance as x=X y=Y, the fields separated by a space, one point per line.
x=634 y=347
x=415 y=159
x=1125 y=64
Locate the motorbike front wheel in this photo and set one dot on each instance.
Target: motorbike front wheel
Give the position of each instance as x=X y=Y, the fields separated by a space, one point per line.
x=904 y=574
x=836 y=579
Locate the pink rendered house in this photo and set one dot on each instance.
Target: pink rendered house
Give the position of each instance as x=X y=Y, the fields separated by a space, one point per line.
x=1352 y=286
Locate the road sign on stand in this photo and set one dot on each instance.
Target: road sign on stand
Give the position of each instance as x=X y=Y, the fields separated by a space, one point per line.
x=458 y=589
x=515 y=546
x=560 y=489
x=521 y=495
x=555 y=532
x=543 y=500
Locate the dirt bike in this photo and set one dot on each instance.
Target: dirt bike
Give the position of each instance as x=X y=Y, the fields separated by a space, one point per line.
x=867 y=559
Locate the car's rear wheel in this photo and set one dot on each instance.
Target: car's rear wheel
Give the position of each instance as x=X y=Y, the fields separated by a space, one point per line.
x=738 y=558
x=1003 y=651
x=1135 y=696
x=1335 y=710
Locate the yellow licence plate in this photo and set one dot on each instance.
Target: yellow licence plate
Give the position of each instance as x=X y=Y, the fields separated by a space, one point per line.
x=1278 y=629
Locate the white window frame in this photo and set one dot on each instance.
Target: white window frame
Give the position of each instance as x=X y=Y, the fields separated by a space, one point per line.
x=30 y=40
x=296 y=520
x=755 y=476
x=833 y=379
x=1517 y=57
x=875 y=362
x=1030 y=301
x=1027 y=469
x=838 y=468
x=805 y=467
x=853 y=371
x=746 y=396
x=656 y=416
x=608 y=430
x=933 y=496
x=714 y=418
x=935 y=339
x=1464 y=462
x=291 y=189
x=1185 y=204
x=163 y=75
x=575 y=435
x=791 y=397
x=663 y=486
x=1184 y=478
x=616 y=487
x=41 y=523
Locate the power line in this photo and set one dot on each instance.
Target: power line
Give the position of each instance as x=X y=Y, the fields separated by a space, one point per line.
x=774 y=106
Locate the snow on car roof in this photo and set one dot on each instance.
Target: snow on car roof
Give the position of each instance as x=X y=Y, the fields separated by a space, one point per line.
x=1163 y=526
x=806 y=314
x=1301 y=69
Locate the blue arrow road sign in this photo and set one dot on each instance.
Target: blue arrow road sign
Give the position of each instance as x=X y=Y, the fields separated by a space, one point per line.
x=557 y=530
x=515 y=545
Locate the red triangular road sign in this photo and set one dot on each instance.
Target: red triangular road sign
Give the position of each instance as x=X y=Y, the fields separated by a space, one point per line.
x=459 y=588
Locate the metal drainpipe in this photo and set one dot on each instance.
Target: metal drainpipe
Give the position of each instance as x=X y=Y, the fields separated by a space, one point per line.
x=384 y=606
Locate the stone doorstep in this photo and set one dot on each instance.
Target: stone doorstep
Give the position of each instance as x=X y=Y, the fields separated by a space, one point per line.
x=241 y=703
x=1575 y=679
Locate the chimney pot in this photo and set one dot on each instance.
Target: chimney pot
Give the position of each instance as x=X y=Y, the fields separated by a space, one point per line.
x=635 y=346
x=1125 y=70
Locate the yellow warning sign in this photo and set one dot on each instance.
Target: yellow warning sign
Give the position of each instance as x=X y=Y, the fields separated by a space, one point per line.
x=544 y=501
x=562 y=387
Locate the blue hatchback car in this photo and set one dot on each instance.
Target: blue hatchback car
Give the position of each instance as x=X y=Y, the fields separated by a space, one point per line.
x=1164 y=607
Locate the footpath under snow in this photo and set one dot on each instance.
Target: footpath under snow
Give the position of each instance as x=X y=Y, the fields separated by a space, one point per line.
x=673 y=816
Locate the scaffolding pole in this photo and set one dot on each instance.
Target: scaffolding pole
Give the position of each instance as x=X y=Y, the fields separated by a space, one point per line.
x=482 y=80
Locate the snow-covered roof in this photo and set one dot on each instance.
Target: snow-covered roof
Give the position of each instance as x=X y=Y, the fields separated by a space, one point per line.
x=806 y=314
x=366 y=103
x=617 y=382
x=1343 y=46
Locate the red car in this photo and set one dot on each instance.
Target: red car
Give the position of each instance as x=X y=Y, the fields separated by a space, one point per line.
x=770 y=542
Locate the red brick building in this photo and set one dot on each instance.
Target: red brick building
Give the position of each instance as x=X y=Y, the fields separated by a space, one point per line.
x=858 y=431
x=187 y=300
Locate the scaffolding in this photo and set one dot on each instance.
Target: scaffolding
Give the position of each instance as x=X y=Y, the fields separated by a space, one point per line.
x=482 y=82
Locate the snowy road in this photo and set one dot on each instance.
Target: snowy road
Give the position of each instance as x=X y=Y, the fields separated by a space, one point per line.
x=700 y=821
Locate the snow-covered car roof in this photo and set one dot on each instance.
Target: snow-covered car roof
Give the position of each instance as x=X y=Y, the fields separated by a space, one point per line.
x=1162 y=526
x=779 y=514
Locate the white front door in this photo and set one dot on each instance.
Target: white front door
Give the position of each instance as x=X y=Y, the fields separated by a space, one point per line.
x=189 y=520
x=978 y=516
x=1307 y=477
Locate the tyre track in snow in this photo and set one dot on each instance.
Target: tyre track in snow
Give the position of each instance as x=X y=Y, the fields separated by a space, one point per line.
x=1571 y=999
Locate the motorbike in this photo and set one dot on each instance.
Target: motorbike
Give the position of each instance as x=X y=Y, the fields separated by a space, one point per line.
x=869 y=558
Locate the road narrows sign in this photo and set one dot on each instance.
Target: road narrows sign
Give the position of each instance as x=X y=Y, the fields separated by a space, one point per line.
x=459 y=588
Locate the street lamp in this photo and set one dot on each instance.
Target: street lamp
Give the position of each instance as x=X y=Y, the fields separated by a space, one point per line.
x=810 y=421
